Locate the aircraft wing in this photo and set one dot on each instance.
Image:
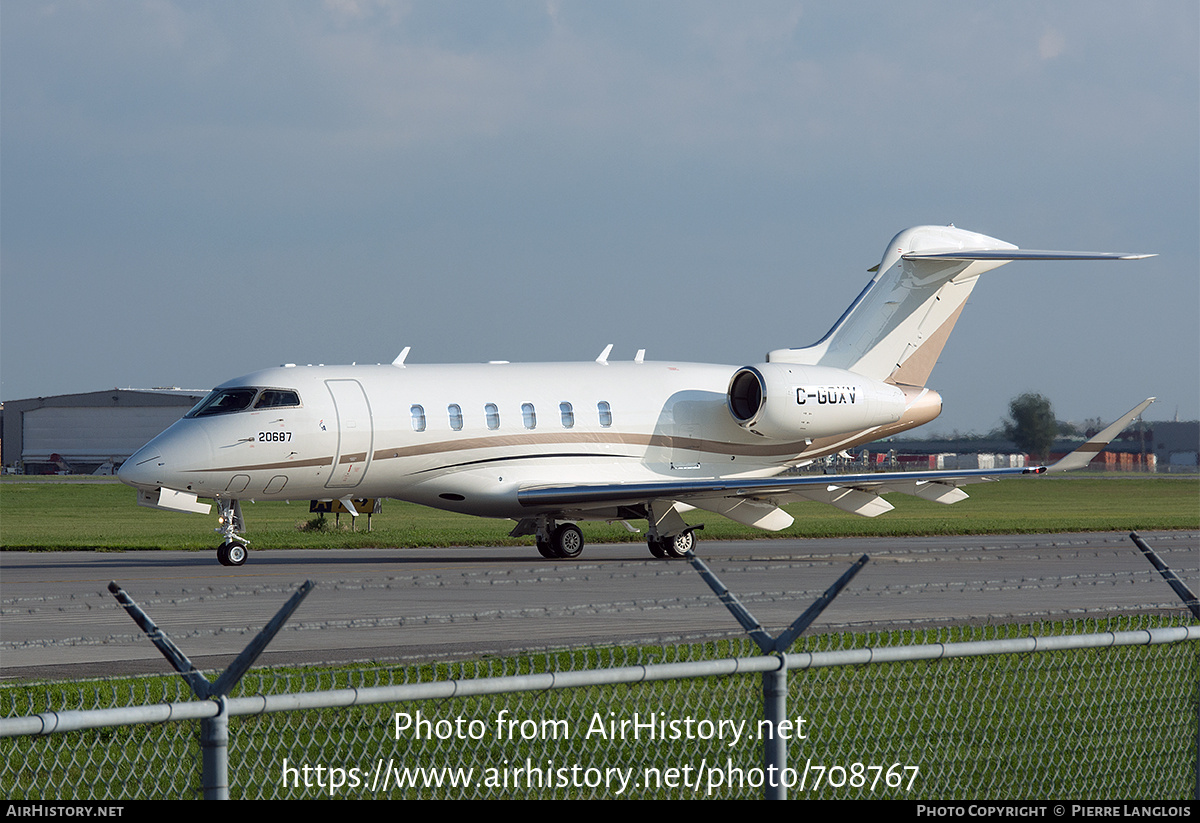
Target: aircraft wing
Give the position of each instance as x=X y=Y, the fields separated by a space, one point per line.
x=756 y=501
x=858 y=493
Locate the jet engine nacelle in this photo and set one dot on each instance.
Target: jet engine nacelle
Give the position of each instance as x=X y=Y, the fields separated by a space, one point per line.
x=784 y=401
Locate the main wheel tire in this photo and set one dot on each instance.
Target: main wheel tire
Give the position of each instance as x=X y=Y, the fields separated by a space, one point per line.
x=656 y=547
x=546 y=549
x=567 y=541
x=680 y=544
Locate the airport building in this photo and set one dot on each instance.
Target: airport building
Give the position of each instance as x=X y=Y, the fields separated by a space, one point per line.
x=91 y=433
x=1156 y=446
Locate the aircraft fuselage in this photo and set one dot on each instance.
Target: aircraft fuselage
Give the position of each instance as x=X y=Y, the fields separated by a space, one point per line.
x=467 y=437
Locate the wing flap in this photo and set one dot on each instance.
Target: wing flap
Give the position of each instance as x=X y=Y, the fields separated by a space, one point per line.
x=855 y=501
x=935 y=491
x=747 y=511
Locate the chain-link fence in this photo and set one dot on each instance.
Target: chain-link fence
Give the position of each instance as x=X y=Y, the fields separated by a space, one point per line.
x=1093 y=722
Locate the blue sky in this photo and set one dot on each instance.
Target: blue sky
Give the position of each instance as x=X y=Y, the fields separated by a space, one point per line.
x=190 y=191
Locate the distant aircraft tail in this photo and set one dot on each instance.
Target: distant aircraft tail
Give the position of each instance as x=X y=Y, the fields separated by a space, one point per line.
x=895 y=329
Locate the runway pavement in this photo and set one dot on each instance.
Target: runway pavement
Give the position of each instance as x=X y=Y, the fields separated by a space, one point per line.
x=57 y=618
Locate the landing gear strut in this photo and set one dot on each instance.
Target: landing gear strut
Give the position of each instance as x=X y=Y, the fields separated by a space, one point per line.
x=669 y=535
x=233 y=551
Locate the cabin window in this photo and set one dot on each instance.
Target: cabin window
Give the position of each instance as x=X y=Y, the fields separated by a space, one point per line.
x=568 y=415
x=605 y=413
x=493 y=415
x=224 y=401
x=273 y=398
x=418 y=418
x=529 y=415
x=456 y=418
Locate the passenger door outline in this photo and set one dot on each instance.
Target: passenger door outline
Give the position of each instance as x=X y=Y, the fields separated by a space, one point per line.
x=356 y=434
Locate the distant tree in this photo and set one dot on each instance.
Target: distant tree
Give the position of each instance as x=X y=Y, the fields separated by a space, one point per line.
x=1031 y=425
x=1068 y=429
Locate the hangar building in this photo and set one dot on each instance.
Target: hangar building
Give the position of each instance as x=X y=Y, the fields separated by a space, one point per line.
x=87 y=433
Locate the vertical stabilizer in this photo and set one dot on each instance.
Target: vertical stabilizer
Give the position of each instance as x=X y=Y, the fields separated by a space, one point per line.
x=896 y=328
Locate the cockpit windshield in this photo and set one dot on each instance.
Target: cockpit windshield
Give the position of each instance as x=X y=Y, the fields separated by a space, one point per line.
x=227 y=401
x=271 y=398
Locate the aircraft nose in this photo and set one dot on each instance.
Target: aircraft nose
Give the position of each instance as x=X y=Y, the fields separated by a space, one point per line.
x=168 y=460
x=142 y=468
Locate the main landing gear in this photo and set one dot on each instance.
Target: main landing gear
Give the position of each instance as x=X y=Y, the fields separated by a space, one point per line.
x=675 y=546
x=233 y=551
x=564 y=541
x=555 y=541
x=669 y=535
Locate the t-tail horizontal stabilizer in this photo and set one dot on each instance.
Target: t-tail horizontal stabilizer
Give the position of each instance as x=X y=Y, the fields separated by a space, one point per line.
x=1084 y=454
x=1022 y=254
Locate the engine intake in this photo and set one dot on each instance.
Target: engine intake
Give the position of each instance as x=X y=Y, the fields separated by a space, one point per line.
x=785 y=401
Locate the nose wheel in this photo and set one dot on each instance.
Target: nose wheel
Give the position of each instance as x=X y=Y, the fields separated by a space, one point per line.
x=231 y=553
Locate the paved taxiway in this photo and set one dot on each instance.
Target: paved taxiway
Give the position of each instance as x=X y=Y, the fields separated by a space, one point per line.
x=57 y=618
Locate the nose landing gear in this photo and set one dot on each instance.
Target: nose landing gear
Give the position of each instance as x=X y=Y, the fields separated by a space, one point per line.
x=233 y=551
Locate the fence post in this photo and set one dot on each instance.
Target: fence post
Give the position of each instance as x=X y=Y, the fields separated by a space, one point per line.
x=775 y=692
x=214 y=752
x=214 y=731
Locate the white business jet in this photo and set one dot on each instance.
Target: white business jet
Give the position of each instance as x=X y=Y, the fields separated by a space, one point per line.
x=552 y=444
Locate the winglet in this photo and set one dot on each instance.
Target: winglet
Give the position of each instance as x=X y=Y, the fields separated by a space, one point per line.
x=1084 y=454
x=603 y=358
x=399 y=361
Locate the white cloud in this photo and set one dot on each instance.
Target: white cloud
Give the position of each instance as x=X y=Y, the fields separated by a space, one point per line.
x=1051 y=44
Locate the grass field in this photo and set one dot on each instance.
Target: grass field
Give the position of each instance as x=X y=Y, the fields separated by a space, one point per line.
x=104 y=516
x=1085 y=724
